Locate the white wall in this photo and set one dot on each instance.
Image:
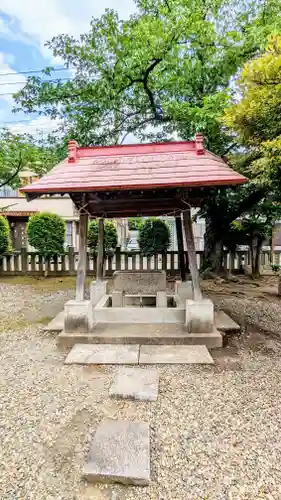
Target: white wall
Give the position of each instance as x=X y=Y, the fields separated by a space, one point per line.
x=61 y=205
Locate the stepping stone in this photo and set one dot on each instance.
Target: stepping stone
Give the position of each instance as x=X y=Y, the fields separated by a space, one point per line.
x=135 y=383
x=225 y=323
x=175 y=354
x=103 y=354
x=120 y=453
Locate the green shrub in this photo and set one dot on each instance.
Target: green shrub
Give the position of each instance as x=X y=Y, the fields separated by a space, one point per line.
x=46 y=233
x=275 y=268
x=5 y=237
x=135 y=223
x=154 y=237
x=110 y=236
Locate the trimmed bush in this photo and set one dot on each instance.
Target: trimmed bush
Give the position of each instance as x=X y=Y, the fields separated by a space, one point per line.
x=110 y=236
x=135 y=223
x=5 y=237
x=154 y=237
x=46 y=233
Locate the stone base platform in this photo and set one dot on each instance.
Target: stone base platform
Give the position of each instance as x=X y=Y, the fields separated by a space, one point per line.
x=223 y=323
x=141 y=334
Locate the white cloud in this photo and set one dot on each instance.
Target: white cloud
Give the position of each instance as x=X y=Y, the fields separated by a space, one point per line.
x=10 y=31
x=42 y=20
x=39 y=127
x=11 y=83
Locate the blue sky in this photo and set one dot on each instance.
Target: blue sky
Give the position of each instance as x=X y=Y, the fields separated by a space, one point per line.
x=25 y=26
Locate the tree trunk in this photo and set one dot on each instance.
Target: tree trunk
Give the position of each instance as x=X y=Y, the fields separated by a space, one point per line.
x=213 y=248
x=255 y=250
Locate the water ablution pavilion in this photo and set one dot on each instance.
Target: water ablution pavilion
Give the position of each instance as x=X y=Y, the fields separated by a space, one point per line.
x=109 y=182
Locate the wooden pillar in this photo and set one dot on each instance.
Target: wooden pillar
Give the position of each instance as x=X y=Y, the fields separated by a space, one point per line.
x=99 y=274
x=180 y=247
x=81 y=270
x=191 y=254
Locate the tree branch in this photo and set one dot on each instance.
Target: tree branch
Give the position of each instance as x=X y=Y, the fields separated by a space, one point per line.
x=232 y=146
x=167 y=5
x=157 y=115
x=12 y=177
x=248 y=202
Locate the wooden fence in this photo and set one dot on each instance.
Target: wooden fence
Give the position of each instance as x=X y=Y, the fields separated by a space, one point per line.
x=30 y=263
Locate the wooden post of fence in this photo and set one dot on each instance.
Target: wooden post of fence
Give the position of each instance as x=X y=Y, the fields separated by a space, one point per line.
x=118 y=258
x=24 y=264
x=164 y=262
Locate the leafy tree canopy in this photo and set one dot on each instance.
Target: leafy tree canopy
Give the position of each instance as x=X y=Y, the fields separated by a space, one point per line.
x=254 y=120
x=46 y=233
x=110 y=236
x=256 y=117
x=5 y=237
x=23 y=151
x=169 y=64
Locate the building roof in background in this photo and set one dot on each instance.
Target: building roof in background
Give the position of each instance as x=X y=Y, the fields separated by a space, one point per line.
x=136 y=167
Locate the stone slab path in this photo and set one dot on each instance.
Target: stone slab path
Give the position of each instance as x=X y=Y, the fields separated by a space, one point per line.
x=103 y=354
x=120 y=452
x=174 y=354
x=131 y=354
x=135 y=383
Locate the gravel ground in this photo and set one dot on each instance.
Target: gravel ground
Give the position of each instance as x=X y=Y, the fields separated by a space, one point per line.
x=259 y=313
x=215 y=430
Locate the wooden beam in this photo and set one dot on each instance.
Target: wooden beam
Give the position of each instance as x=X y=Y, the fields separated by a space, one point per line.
x=81 y=271
x=180 y=247
x=100 y=258
x=191 y=254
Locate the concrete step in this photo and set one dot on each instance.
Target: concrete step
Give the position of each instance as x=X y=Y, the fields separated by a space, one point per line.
x=141 y=334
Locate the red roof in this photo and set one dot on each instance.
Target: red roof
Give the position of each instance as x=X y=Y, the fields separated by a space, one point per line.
x=141 y=166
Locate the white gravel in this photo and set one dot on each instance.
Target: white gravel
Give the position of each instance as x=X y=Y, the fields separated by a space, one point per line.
x=215 y=431
x=263 y=314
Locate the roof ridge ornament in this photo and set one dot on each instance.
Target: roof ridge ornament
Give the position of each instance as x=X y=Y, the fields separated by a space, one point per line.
x=199 y=139
x=72 y=151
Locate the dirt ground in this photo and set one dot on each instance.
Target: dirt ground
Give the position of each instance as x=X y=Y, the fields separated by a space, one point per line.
x=222 y=440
